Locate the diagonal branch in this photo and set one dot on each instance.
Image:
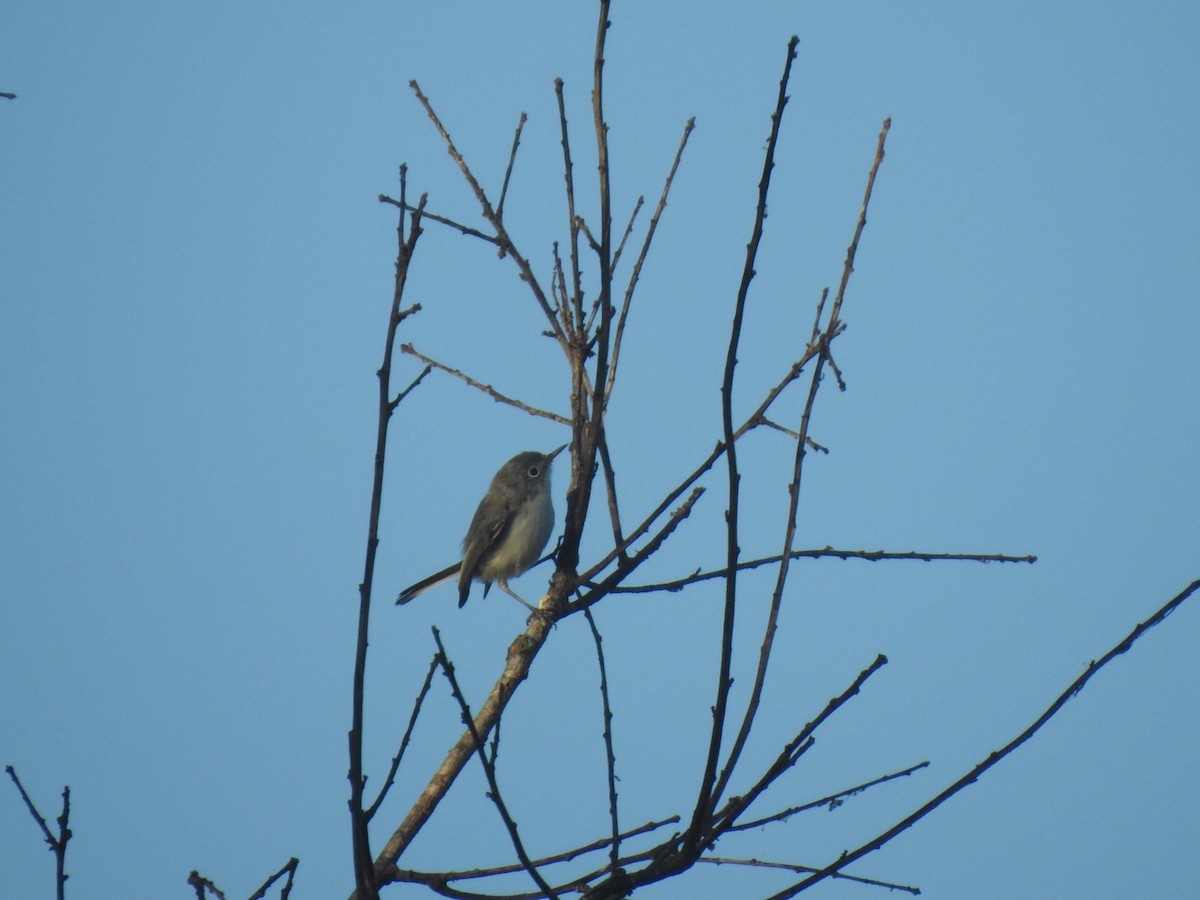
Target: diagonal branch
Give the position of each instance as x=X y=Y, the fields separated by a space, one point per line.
x=289 y=869
x=798 y=869
x=725 y=819
x=521 y=653
x=971 y=777
x=466 y=230
x=369 y=813
x=512 y=158
x=706 y=798
x=637 y=266
x=502 y=238
x=868 y=555
x=58 y=843
x=615 y=847
x=630 y=563
x=486 y=388
x=830 y=801
x=489 y=769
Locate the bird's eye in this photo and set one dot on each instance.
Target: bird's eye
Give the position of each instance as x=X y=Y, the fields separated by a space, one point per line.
x=533 y=471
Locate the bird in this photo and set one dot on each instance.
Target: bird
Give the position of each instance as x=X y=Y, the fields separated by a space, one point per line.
x=508 y=532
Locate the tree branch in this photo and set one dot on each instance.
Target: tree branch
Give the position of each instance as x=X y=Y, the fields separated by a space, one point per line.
x=489 y=769
x=58 y=843
x=972 y=776
x=706 y=798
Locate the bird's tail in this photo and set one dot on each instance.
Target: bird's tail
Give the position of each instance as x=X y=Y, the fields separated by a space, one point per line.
x=426 y=583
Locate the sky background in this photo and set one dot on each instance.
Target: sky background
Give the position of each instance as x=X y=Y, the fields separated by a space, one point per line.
x=195 y=276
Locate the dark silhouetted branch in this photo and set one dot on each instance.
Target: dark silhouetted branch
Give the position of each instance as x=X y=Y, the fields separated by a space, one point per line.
x=489 y=769
x=971 y=777
x=57 y=842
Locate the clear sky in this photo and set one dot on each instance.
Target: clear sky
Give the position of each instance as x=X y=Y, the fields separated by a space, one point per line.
x=195 y=276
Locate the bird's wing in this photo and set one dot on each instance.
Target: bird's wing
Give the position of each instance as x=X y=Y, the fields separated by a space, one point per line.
x=489 y=525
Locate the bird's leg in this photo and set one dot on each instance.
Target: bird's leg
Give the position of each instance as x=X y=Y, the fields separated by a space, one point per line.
x=504 y=587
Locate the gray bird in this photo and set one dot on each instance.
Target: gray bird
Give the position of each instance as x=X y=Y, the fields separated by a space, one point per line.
x=509 y=531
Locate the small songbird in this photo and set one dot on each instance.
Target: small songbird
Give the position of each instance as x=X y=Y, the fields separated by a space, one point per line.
x=509 y=531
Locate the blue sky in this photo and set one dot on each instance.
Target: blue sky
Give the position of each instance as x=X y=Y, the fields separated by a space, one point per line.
x=195 y=276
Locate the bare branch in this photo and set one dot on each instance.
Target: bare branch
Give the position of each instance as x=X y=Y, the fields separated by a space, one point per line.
x=637 y=208
x=434 y=878
x=486 y=388
x=58 y=843
x=502 y=238
x=289 y=869
x=512 y=158
x=521 y=653
x=364 y=870
x=572 y=225
x=706 y=799
x=971 y=777
x=785 y=559
x=489 y=770
x=413 y=386
x=202 y=884
x=868 y=555
x=725 y=819
x=831 y=801
x=610 y=486
x=630 y=563
x=615 y=848
x=466 y=230
x=369 y=813
x=793 y=867
x=835 y=313
x=637 y=266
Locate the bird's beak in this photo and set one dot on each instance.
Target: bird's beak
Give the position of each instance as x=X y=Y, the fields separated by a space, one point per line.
x=553 y=453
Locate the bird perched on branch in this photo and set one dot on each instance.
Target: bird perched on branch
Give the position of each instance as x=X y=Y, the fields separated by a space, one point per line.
x=508 y=532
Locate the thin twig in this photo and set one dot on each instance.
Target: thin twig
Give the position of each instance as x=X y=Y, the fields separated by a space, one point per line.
x=794 y=867
x=610 y=487
x=467 y=230
x=629 y=564
x=510 y=868
x=830 y=801
x=835 y=313
x=512 y=158
x=502 y=237
x=615 y=848
x=572 y=226
x=868 y=555
x=794 y=435
x=412 y=723
x=637 y=208
x=396 y=401
x=558 y=289
x=289 y=869
x=723 y=820
x=637 y=266
x=486 y=388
